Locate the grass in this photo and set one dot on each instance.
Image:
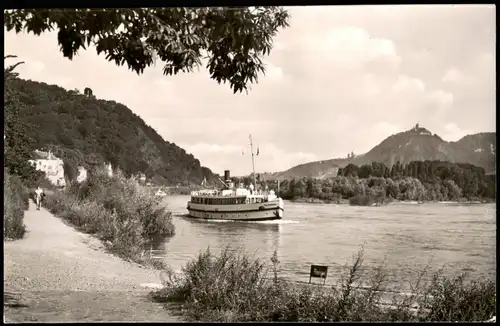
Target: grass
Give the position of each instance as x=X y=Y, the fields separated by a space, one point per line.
x=16 y=201
x=234 y=287
x=117 y=210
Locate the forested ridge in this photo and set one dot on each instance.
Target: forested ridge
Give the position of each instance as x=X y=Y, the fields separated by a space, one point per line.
x=84 y=130
x=416 y=144
x=416 y=181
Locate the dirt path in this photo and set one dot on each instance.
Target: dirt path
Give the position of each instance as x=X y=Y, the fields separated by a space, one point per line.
x=58 y=274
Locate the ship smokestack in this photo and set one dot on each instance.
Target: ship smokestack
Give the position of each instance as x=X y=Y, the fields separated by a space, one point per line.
x=227 y=175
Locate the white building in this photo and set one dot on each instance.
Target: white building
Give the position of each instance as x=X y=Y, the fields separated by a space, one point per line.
x=51 y=165
x=82 y=174
x=109 y=170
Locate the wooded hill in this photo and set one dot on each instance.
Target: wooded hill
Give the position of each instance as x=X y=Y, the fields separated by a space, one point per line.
x=86 y=130
x=416 y=144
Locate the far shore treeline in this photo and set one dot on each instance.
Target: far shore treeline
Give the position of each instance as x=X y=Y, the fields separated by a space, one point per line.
x=376 y=183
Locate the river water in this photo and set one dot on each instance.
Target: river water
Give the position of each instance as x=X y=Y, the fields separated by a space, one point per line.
x=405 y=238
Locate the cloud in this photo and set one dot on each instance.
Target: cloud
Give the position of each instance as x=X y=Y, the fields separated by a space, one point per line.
x=339 y=79
x=440 y=98
x=238 y=158
x=36 y=66
x=452 y=76
x=453 y=132
x=273 y=72
x=405 y=83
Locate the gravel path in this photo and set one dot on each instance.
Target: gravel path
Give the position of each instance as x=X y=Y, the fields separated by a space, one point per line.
x=59 y=274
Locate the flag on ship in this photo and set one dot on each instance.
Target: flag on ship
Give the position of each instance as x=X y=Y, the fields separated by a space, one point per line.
x=204 y=181
x=257 y=151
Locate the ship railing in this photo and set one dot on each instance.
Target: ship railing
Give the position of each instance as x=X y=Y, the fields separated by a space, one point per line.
x=233 y=194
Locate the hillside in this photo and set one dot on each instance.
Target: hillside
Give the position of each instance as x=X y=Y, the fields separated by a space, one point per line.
x=416 y=144
x=105 y=131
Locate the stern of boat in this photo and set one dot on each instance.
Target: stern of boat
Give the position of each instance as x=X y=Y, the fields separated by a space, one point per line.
x=281 y=208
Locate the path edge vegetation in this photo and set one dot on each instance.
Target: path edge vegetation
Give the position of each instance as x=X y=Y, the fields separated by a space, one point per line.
x=117 y=210
x=233 y=286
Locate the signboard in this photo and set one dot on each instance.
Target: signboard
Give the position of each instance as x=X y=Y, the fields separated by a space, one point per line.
x=318 y=271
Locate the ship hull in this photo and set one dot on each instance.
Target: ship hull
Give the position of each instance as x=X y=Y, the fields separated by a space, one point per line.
x=245 y=212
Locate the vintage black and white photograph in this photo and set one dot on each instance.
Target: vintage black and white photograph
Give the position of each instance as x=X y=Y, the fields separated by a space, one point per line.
x=250 y=164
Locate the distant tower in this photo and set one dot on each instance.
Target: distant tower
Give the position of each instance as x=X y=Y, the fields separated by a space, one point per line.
x=416 y=127
x=88 y=92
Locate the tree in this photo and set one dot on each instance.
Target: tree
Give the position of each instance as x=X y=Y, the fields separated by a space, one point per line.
x=18 y=146
x=454 y=191
x=232 y=39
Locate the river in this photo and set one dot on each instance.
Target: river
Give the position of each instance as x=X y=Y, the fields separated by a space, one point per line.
x=405 y=238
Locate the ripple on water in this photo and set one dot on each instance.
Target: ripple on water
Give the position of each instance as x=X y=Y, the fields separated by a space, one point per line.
x=403 y=236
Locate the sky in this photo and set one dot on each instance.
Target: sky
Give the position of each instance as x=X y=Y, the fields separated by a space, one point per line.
x=339 y=79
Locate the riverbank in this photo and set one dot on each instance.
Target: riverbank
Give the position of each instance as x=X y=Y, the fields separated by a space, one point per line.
x=57 y=274
x=237 y=287
x=346 y=201
x=118 y=211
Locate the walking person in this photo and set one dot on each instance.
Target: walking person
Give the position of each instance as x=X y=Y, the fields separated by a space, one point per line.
x=38 y=197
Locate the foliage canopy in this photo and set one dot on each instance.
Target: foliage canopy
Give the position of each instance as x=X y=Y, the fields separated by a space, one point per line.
x=232 y=39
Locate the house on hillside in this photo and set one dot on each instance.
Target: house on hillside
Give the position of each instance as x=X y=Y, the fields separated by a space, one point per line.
x=82 y=174
x=109 y=170
x=141 y=177
x=51 y=165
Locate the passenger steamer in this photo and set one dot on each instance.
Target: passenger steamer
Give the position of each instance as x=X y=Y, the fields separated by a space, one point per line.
x=236 y=203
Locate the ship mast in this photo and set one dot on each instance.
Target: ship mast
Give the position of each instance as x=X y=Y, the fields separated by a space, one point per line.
x=253 y=162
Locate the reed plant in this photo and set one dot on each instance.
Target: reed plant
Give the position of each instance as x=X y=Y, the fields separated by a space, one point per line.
x=235 y=287
x=117 y=210
x=16 y=201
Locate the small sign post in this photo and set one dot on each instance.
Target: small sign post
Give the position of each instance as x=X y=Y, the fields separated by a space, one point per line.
x=318 y=271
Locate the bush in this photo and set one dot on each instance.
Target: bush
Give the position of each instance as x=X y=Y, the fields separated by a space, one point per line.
x=16 y=200
x=117 y=210
x=232 y=287
x=361 y=200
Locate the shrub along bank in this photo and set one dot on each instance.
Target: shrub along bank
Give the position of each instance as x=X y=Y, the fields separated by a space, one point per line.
x=117 y=210
x=233 y=287
x=16 y=201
